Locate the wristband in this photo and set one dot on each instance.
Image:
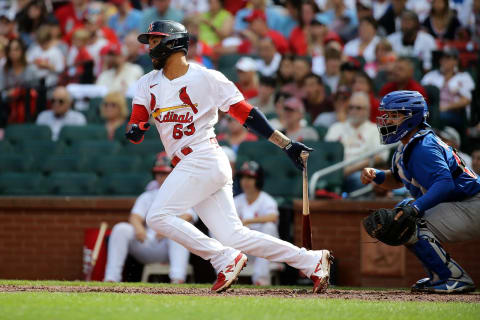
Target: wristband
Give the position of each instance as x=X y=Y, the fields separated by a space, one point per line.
x=379 y=176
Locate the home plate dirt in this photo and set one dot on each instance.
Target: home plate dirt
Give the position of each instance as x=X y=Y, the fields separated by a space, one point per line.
x=386 y=295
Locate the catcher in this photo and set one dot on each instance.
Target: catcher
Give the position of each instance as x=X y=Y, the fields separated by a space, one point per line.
x=446 y=204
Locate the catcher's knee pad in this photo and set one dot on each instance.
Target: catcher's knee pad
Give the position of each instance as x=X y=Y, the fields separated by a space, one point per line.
x=438 y=263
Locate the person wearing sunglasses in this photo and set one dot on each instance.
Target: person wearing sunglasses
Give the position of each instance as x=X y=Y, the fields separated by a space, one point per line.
x=358 y=136
x=114 y=112
x=60 y=113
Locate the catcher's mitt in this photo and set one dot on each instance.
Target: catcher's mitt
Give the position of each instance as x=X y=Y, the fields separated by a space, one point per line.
x=380 y=224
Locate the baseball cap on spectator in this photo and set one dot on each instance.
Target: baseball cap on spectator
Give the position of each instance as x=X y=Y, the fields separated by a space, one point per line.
x=294 y=104
x=111 y=48
x=449 y=52
x=449 y=133
x=7 y=17
x=350 y=66
x=333 y=36
x=268 y=81
x=162 y=163
x=255 y=14
x=343 y=92
x=246 y=64
x=367 y=4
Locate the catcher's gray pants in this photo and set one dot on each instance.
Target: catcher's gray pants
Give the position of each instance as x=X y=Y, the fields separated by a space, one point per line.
x=455 y=221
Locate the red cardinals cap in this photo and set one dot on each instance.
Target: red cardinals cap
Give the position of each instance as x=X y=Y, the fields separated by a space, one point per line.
x=111 y=48
x=255 y=14
x=162 y=163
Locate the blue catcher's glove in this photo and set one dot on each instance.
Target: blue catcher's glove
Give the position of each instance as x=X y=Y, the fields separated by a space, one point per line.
x=293 y=150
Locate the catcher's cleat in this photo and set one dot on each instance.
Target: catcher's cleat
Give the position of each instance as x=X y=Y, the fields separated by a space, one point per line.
x=321 y=274
x=442 y=286
x=230 y=273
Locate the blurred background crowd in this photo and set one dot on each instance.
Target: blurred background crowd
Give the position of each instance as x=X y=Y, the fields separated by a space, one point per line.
x=317 y=68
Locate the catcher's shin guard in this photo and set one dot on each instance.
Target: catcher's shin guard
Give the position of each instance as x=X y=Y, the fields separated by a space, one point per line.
x=435 y=260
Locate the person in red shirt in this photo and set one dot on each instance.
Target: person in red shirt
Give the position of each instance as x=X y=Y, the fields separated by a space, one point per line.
x=71 y=15
x=257 y=30
x=402 y=79
x=247 y=77
x=363 y=83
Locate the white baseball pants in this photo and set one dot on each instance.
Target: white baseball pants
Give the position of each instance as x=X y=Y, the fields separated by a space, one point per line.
x=122 y=241
x=261 y=266
x=203 y=180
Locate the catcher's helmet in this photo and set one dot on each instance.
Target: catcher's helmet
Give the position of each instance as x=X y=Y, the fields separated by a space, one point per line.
x=410 y=106
x=254 y=170
x=175 y=39
x=161 y=164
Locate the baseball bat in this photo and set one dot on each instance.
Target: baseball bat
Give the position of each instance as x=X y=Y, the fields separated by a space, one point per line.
x=306 y=230
x=96 y=249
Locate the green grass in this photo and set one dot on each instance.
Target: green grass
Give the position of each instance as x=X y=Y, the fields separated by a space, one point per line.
x=51 y=306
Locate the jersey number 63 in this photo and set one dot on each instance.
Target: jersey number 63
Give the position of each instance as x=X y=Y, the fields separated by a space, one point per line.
x=178 y=130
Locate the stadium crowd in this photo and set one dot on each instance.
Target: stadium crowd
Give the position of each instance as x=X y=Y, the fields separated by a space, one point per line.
x=316 y=68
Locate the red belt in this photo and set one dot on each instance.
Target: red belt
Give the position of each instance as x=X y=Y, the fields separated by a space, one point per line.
x=187 y=150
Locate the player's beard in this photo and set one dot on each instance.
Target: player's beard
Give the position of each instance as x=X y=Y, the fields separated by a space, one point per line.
x=158 y=63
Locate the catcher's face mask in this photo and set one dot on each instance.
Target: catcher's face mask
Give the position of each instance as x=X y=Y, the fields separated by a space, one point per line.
x=391 y=125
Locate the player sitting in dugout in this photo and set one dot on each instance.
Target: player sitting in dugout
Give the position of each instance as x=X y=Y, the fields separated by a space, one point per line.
x=258 y=211
x=446 y=194
x=142 y=242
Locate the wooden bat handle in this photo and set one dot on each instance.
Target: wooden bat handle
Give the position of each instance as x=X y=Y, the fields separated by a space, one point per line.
x=306 y=207
x=96 y=249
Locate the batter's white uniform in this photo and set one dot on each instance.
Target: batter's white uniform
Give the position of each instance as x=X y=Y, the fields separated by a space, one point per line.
x=264 y=205
x=185 y=111
x=123 y=241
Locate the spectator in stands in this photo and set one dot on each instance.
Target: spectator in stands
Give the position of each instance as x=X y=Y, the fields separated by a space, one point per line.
x=7 y=28
x=143 y=243
x=442 y=22
x=451 y=137
x=455 y=89
x=60 y=114
x=80 y=62
x=276 y=19
x=348 y=70
x=136 y=53
x=476 y=160
x=384 y=58
x=160 y=10
x=363 y=83
x=125 y=20
x=340 y=19
x=285 y=70
x=474 y=22
x=265 y=99
x=300 y=35
x=340 y=104
x=333 y=61
x=216 y=24
x=113 y=111
x=30 y=18
x=47 y=59
x=236 y=134
x=96 y=21
x=358 y=136
x=302 y=65
x=247 y=77
x=278 y=122
x=316 y=100
x=71 y=15
x=258 y=211
x=364 y=45
x=196 y=53
x=270 y=59
x=390 y=21
x=57 y=36
x=192 y=8
x=119 y=74
x=16 y=72
x=294 y=112
x=258 y=29
x=402 y=79
x=411 y=41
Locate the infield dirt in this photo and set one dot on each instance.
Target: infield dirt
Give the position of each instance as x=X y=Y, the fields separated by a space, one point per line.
x=369 y=295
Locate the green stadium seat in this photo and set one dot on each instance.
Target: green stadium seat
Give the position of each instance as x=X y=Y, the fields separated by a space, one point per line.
x=5 y=147
x=72 y=134
x=147 y=162
x=14 y=162
x=322 y=132
x=281 y=176
x=96 y=147
x=146 y=147
x=20 y=132
x=256 y=150
x=131 y=184
x=39 y=150
x=21 y=184
x=64 y=163
x=151 y=134
x=72 y=183
x=226 y=65
x=117 y=164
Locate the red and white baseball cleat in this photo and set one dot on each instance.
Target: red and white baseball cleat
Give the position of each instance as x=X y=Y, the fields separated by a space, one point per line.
x=321 y=274
x=230 y=273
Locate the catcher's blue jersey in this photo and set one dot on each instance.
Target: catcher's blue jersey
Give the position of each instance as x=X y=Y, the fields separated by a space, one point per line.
x=433 y=172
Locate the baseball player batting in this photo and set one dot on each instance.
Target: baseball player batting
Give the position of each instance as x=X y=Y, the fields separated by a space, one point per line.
x=446 y=207
x=184 y=100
